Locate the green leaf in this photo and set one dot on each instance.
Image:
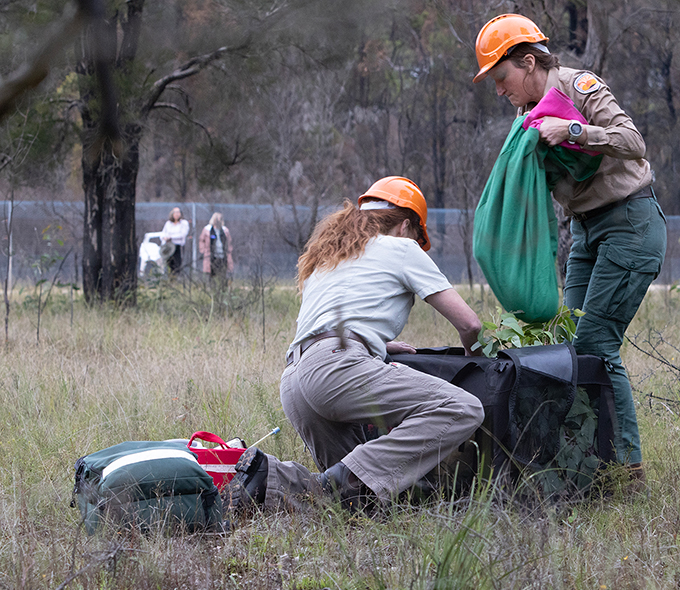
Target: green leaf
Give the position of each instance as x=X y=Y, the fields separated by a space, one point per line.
x=584 y=481
x=506 y=334
x=591 y=462
x=579 y=408
x=588 y=429
x=575 y=459
x=512 y=323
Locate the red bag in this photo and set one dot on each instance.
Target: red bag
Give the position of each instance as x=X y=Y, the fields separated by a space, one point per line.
x=219 y=462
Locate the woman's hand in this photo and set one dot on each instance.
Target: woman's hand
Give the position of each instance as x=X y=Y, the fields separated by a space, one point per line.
x=397 y=347
x=554 y=130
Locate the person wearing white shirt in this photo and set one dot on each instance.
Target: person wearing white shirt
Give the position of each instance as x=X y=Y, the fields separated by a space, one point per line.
x=359 y=275
x=175 y=230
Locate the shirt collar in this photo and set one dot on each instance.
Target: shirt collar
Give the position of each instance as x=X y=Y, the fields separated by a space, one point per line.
x=552 y=81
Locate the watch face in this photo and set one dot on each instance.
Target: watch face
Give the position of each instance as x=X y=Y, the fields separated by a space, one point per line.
x=575 y=128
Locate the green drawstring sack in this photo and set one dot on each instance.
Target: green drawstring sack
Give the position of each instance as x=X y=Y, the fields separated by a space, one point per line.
x=515 y=228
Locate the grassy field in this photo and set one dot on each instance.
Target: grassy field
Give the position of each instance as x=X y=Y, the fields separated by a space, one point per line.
x=178 y=363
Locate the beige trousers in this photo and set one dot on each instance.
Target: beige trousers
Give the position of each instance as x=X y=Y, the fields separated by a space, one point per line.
x=330 y=392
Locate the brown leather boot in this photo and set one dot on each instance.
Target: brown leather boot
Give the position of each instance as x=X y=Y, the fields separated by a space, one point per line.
x=339 y=482
x=638 y=480
x=637 y=472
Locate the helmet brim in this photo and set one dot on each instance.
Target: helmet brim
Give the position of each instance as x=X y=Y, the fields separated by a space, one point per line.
x=481 y=75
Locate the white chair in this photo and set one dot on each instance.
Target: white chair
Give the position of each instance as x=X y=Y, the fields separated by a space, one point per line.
x=150 y=251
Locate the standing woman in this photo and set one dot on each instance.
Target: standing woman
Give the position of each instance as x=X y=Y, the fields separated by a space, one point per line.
x=618 y=228
x=175 y=230
x=215 y=245
x=358 y=276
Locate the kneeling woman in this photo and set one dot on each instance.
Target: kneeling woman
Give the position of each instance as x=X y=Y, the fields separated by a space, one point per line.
x=358 y=277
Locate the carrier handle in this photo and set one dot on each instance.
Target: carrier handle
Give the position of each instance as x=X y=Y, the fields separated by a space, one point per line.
x=208 y=437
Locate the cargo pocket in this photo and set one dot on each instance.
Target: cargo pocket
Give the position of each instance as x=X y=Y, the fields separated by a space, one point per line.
x=639 y=213
x=623 y=281
x=661 y=213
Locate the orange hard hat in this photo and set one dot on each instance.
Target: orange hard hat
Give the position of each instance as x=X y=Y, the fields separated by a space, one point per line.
x=499 y=35
x=402 y=192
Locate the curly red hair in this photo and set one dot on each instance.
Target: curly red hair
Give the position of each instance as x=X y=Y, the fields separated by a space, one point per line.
x=343 y=235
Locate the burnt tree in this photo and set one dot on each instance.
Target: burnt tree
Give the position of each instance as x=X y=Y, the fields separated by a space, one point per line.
x=108 y=49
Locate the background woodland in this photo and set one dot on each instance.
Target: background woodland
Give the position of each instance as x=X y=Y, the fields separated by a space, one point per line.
x=295 y=102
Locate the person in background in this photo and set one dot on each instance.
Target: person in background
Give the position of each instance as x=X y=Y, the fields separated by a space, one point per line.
x=617 y=225
x=214 y=244
x=359 y=275
x=175 y=230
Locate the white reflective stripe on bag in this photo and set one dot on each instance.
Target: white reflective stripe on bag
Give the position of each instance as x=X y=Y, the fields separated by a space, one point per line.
x=142 y=456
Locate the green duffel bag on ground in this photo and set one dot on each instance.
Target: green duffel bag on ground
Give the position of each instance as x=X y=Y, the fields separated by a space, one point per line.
x=147 y=484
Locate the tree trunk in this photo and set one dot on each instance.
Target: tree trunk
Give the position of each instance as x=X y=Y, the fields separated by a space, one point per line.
x=109 y=236
x=595 y=54
x=110 y=155
x=109 y=167
x=439 y=129
x=438 y=141
x=564 y=241
x=92 y=224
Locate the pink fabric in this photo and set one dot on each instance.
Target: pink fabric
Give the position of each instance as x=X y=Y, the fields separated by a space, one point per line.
x=557 y=104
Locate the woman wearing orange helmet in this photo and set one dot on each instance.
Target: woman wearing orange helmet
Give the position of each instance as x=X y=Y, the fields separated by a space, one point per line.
x=358 y=277
x=617 y=225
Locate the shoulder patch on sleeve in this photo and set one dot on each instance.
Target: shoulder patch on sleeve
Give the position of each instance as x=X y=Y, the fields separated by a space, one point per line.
x=586 y=83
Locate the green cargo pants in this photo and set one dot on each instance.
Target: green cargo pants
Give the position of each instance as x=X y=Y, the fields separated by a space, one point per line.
x=613 y=260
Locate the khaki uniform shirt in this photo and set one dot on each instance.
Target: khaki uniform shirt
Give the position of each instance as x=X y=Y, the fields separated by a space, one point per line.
x=610 y=131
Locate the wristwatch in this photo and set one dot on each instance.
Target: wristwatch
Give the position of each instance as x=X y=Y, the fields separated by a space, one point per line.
x=575 y=131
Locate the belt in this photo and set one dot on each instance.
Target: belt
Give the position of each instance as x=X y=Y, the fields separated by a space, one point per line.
x=643 y=193
x=307 y=342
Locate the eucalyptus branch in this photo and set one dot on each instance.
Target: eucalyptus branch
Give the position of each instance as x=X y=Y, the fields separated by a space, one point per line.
x=169 y=105
x=179 y=89
x=651 y=396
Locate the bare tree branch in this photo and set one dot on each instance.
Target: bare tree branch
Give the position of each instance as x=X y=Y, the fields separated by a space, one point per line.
x=6 y=161
x=105 y=557
x=31 y=74
x=174 y=107
x=656 y=355
x=186 y=70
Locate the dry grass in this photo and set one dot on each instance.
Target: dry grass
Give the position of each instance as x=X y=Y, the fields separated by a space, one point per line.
x=169 y=368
